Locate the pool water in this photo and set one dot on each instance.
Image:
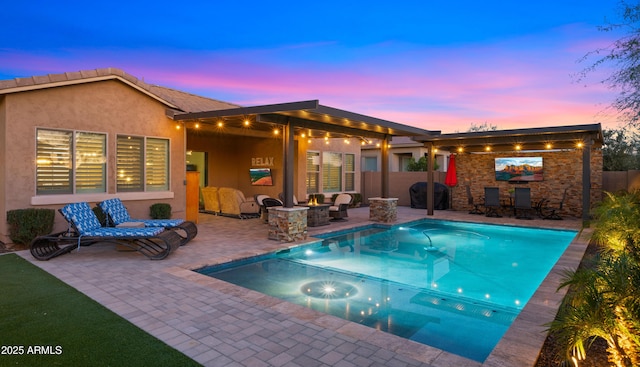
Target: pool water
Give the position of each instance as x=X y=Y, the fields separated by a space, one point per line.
x=451 y=285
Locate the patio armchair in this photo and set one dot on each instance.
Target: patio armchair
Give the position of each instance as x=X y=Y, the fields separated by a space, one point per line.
x=270 y=202
x=476 y=206
x=211 y=200
x=258 y=199
x=85 y=229
x=118 y=216
x=553 y=211
x=492 y=201
x=234 y=204
x=338 y=211
x=522 y=203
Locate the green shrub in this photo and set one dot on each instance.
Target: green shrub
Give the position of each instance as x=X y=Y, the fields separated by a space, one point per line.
x=357 y=199
x=160 y=211
x=27 y=224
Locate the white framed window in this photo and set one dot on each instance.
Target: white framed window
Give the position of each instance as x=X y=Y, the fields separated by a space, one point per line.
x=370 y=164
x=331 y=172
x=338 y=172
x=313 y=172
x=142 y=164
x=349 y=172
x=70 y=162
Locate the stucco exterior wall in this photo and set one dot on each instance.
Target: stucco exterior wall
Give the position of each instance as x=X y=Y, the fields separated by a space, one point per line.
x=110 y=107
x=331 y=145
x=3 y=172
x=231 y=156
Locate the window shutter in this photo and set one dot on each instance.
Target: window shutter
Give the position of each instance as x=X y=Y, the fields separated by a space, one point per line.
x=331 y=172
x=349 y=172
x=313 y=172
x=53 y=162
x=130 y=163
x=157 y=172
x=90 y=162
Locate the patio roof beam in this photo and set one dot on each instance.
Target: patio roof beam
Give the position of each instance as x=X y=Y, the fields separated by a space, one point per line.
x=511 y=147
x=315 y=125
x=244 y=111
x=306 y=112
x=512 y=139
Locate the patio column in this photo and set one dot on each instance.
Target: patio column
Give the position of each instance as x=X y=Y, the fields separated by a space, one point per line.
x=384 y=152
x=586 y=180
x=430 y=183
x=287 y=164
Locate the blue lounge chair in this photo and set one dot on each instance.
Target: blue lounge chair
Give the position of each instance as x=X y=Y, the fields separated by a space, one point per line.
x=118 y=216
x=85 y=229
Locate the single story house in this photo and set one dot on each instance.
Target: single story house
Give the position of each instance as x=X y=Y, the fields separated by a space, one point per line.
x=97 y=134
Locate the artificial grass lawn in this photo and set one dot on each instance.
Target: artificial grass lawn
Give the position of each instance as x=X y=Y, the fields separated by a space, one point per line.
x=38 y=310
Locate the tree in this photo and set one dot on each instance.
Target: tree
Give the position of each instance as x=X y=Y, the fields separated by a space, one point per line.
x=485 y=126
x=620 y=150
x=624 y=56
x=420 y=165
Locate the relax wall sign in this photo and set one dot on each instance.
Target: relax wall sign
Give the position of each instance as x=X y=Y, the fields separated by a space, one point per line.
x=262 y=162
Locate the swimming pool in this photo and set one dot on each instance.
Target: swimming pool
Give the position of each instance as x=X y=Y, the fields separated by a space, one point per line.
x=451 y=285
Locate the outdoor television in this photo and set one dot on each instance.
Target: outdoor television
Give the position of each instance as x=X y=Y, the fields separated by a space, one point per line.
x=260 y=176
x=519 y=169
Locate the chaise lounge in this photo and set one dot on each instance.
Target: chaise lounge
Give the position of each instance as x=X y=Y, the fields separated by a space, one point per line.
x=118 y=216
x=85 y=229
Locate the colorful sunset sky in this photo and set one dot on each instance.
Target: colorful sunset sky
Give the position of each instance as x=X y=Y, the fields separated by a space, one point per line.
x=444 y=65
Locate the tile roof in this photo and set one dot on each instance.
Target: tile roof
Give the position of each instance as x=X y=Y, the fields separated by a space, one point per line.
x=186 y=102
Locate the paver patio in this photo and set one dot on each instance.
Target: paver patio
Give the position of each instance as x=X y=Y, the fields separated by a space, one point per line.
x=219 y=324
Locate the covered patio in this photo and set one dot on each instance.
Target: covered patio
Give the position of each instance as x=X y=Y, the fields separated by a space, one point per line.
x=301 y=120
x=572 y=160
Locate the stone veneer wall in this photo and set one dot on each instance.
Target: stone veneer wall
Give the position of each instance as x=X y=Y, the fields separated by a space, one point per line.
x=287 y=224
x=561 y=169
x=383 y=210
